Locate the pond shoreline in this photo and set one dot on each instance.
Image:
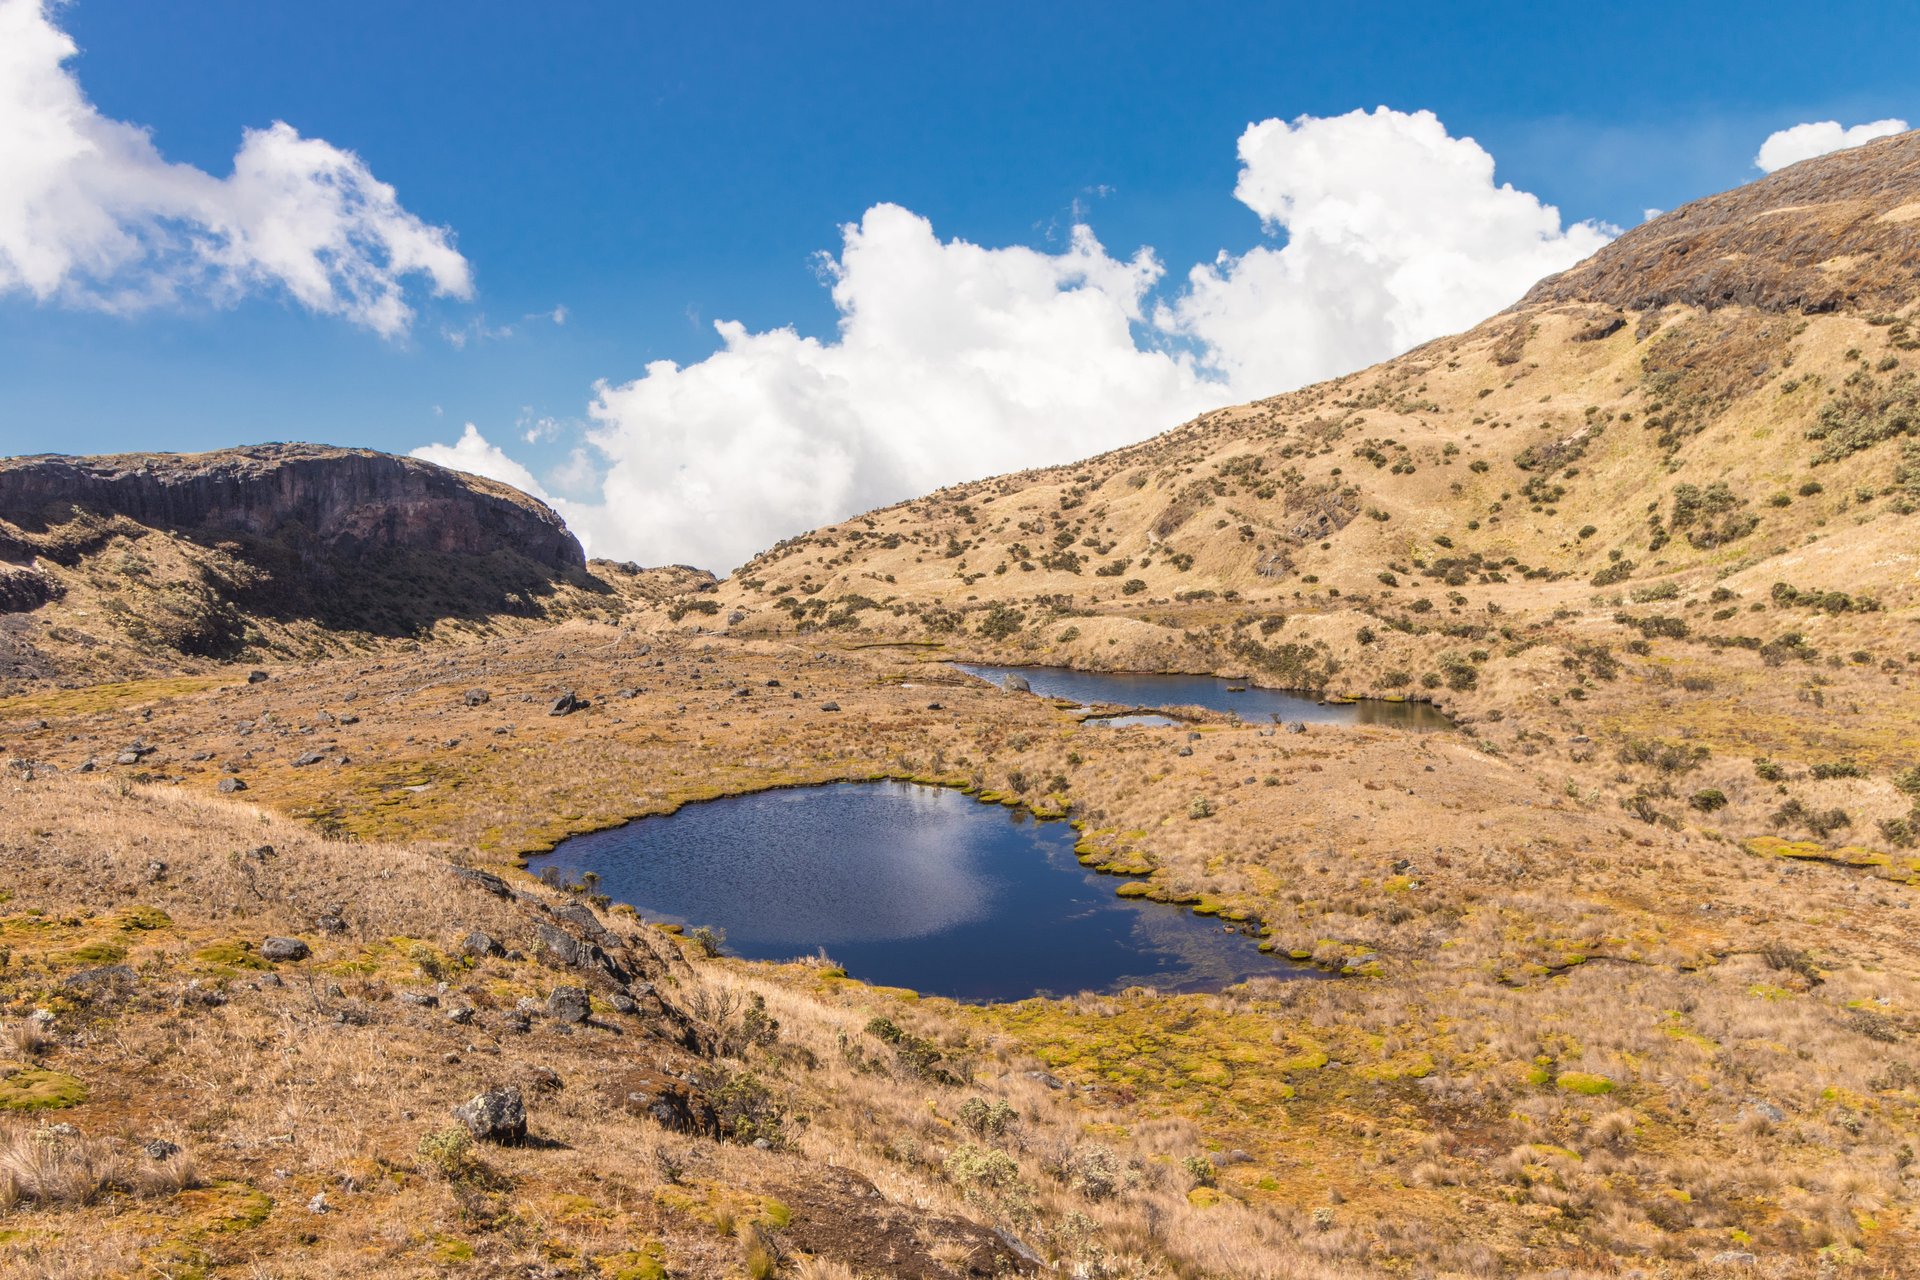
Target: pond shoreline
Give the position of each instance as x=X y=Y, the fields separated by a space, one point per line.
x=1210 y=692
x=1135 y=885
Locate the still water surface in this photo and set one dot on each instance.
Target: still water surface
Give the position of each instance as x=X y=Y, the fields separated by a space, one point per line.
x=909 y=886
x=1250 y=703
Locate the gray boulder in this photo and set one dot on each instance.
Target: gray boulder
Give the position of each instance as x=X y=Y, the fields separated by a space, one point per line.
x=569 y=1005
x=480 y=944
x=279 y=949
x=497 y=1115
x=486 y=880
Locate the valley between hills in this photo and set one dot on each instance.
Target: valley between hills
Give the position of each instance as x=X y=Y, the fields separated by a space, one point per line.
x=1622 y=976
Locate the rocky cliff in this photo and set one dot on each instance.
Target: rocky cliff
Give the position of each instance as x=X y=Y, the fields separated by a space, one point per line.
x=141 y=561
x=344 y=502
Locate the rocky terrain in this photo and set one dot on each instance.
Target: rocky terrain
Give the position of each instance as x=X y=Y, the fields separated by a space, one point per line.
x=154 y=562
x=1627 y=982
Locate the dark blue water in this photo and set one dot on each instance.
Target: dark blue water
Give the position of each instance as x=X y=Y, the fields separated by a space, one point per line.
x=1252 y=704
x=909 y=886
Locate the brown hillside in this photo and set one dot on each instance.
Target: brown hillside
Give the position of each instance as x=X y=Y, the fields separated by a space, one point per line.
x=1621 y=974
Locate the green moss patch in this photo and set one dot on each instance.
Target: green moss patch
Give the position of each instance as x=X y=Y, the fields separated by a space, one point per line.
x=1583 y=1082
x=231 y=955
x=39 y=1090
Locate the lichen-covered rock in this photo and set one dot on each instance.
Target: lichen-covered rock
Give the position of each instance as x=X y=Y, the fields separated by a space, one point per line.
x=496 y=1115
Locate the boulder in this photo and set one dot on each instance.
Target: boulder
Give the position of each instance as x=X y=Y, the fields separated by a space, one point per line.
x=496 y=1115
x=480 y=944
x=559 y=946
x=278 y=949
x=486 y=880
x=569 y=1005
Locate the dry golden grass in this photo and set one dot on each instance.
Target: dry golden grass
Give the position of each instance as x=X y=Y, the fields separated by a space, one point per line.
x=1629 y=975
x=1574 y=1050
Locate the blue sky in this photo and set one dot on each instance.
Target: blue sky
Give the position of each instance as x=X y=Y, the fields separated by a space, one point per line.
x=652 y=169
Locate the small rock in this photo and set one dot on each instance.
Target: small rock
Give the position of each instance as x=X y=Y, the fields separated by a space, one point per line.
x=1051 y=1081
x=227 y=786
x=829 y=706
x=568 y=1005
x=934 y=706
x=544 y=1080
x=257 y=677
x=319 y=1203
x=623 y=1003
x=497 y=1115
x=278 y=949
x=310 y=758
x=160 y=1149
x=477 y=943
x=1733 y=1258
x=460 y=1015
x=420 y=999
x=127 y=757
x=477 y=697
x=566 y=704
x=1018 y=684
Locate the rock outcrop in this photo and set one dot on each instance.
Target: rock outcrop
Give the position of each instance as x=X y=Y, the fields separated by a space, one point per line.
x=347 y=503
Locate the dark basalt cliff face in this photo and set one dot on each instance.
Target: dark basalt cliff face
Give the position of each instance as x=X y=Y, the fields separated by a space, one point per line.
x=345 y=503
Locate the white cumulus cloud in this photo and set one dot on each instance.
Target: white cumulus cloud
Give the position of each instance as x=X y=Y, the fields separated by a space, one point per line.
x=473 y=454
x=1395 y=233
x=954 y=361
x=1817 y=138
x=92 y=215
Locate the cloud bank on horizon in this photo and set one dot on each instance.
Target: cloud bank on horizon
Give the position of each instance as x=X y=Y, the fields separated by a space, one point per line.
x=954 y=361
x=92 y=215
